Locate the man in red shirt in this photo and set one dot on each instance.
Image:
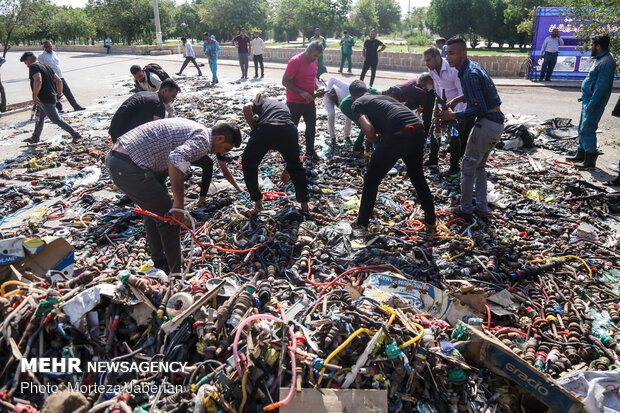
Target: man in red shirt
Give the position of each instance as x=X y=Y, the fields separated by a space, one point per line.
x=301 y=83
x=242 y=42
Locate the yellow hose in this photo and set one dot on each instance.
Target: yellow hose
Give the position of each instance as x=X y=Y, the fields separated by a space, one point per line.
x=461 y=238
x=340 y=347
x=418 y=326
x=560 y=258
x=11 y=283
x=244 y=383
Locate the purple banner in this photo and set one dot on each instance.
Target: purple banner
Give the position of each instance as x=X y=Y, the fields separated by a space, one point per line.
x=573 y=62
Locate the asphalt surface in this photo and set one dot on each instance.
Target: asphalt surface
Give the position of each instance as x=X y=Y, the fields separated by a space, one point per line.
x=102 y=82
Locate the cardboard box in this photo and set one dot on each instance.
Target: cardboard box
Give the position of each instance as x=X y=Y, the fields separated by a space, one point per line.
x=336 y=401
x=485 y=350
x=38 y=256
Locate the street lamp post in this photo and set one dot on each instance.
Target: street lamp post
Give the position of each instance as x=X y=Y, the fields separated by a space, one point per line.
x=157 y=24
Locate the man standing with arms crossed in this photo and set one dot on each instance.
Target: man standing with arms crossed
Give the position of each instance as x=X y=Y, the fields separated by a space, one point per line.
x=346 y=46
x=371 y=56
x=483 y=104
x=46 y=87
x=48 y=57
x=244 y=47
x=301 y=83
x=549 y=52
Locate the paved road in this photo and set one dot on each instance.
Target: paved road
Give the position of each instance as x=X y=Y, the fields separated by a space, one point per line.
x=102 y=81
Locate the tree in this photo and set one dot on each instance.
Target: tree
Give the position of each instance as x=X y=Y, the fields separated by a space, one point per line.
x=364 y=17
x=16 y=14
x=388 y=15
x=187 y=21
x=284 y=20
x=417 y=19
x=223 y=17
x=311 y=14
x=596 y=17
x=444 y=19
x=68 y=23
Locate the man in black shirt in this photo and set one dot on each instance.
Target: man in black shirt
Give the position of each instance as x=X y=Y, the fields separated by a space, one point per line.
x=371 y=55
x=46 y=88
x=143 y=107
x=272 y=128
x=415 y=95
x=401 y=137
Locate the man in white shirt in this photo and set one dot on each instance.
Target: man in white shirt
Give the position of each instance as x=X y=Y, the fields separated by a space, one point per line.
x=549 y=51
x=446 y=79
x=258 y=45
x=336 y=91
x=48 y=57
x=190 y=56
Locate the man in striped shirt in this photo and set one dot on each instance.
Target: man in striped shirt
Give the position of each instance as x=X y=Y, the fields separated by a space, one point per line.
x=141 y=160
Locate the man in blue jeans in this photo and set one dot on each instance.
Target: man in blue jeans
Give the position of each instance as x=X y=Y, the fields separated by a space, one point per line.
x=46 y=88
x=549 y=52
x=483 y=104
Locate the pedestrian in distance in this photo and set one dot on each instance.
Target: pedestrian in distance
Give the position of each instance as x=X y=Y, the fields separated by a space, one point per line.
x=244 y=47
x=49 y=57
x=272 y=129
x=321 y=67
x=483 y=104
x=302 y=87
x=372 y=48
x=346 y=48
x=190 y=56
x=258 y=47
x=211 y=48
x=142 y=159
x=441 y=45
x=46 y=89
x=400 y=135
x=107 y=44
x=595 y=92
x=549 y=51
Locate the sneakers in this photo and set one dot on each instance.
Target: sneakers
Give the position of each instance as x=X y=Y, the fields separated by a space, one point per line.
x=579 y=156
x=456 y=211
x=79 y=108
x=178 y=73
x=31 y=141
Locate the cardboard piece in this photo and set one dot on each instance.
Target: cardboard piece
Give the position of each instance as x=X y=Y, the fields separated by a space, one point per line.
x=38 y=256
x=336 y=401
x=485 y=350
x=423 y=297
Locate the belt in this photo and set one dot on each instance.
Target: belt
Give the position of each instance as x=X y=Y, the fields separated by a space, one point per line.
x=495 y=109
x=411 y=127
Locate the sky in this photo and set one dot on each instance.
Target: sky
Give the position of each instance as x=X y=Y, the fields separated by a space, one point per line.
x=404 y=4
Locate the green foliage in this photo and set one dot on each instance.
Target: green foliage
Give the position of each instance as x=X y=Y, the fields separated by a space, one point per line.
x=18 y=17
x=381 y=15
x=68 y=23
x=417 y=19
x=187 y=21
x=418 y=40
x=224 y=18
x=597 y=17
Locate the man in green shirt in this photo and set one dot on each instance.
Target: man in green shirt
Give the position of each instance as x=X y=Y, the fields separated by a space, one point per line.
x=317 y=36
x=346 y=46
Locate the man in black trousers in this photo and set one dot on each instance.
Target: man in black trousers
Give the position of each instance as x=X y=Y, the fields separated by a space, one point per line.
x=272 y=128
x=400 y=135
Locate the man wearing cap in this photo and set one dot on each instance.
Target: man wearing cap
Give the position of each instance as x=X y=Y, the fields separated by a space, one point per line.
x=211 y=48
x=400 y=135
